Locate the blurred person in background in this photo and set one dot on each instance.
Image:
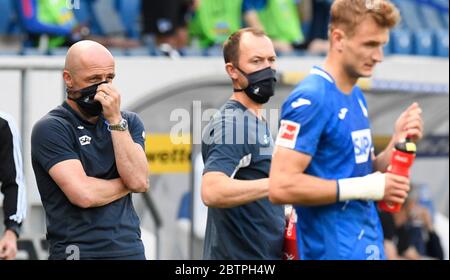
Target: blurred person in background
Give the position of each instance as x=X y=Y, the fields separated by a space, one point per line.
x=168 y=21
x=409 y=234
x=320 y=19
x=215 y=20
x=128 y=12
x=315 y=45
x=53 y=23
x=12 y=186
x=278 y=18
x=49 y=24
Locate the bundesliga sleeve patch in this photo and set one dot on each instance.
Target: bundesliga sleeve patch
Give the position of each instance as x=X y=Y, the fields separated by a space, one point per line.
x=287 y=136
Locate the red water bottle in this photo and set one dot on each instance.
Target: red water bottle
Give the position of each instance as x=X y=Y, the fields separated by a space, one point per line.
x=290 y=250
x=401 y=161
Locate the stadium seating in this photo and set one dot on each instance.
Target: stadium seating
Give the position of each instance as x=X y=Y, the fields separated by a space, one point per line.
x=423 y=29
x=441 y=43
x=4 y=21
x=387 y=48
x=432 y=17
x=411 y=18
x=423 y=42
x=8 y=20
x=401 y=42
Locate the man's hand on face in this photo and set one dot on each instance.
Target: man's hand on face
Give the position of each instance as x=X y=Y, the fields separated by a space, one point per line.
x=109 y=97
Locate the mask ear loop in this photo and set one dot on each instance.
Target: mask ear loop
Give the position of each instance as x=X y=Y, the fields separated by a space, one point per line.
x=71 y=92
x=245 y=75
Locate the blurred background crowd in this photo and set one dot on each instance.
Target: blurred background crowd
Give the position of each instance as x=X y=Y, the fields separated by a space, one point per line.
x=199 y=27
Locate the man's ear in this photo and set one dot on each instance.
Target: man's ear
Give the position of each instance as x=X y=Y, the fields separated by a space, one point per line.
x=231 y=71
x=67 y=79
x=338 y=36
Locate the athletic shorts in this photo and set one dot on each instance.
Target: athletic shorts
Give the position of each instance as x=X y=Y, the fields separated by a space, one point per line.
x=164 y=17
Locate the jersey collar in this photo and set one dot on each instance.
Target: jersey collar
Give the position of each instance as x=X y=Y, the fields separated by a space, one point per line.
x=319 y=71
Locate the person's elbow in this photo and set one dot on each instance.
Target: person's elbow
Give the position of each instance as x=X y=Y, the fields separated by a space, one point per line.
x=208 y=197
x=77 y=190
x=211 y=196
x=275 y=195
x=277 y=187
x=82 y=199
x=139 y=185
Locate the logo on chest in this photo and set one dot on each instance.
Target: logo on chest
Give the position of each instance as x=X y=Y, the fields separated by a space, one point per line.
x=85 y=140
x=362 y=142
x=343 y=113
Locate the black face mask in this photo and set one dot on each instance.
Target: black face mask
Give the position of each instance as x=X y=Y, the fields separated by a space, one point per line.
x=86 y=102
x=261 y=85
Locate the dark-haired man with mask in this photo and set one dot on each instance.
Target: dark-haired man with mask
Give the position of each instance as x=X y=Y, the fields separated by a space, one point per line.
x=88 y=157
x=237 y=150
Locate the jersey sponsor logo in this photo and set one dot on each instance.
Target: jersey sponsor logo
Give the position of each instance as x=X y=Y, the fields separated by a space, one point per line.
x=85 y=140
x=362 y=142
x=287 y=136
x=343 y=113
x=300 y=102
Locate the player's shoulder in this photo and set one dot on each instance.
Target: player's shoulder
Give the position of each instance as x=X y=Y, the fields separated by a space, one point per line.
x=54 y=122
x=231 y=112
x=233 y=106
x=229 y=118
x=359 y=93
x=313 y=90
x=316 y=85
x=52 y=118
x=129 y=114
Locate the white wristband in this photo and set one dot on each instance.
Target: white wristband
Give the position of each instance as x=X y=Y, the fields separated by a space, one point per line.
x=370 y=187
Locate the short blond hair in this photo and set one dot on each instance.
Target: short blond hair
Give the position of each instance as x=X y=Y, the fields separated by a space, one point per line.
x=347 y=14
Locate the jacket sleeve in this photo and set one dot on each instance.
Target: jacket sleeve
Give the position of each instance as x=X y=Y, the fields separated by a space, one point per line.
x=11 y=176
